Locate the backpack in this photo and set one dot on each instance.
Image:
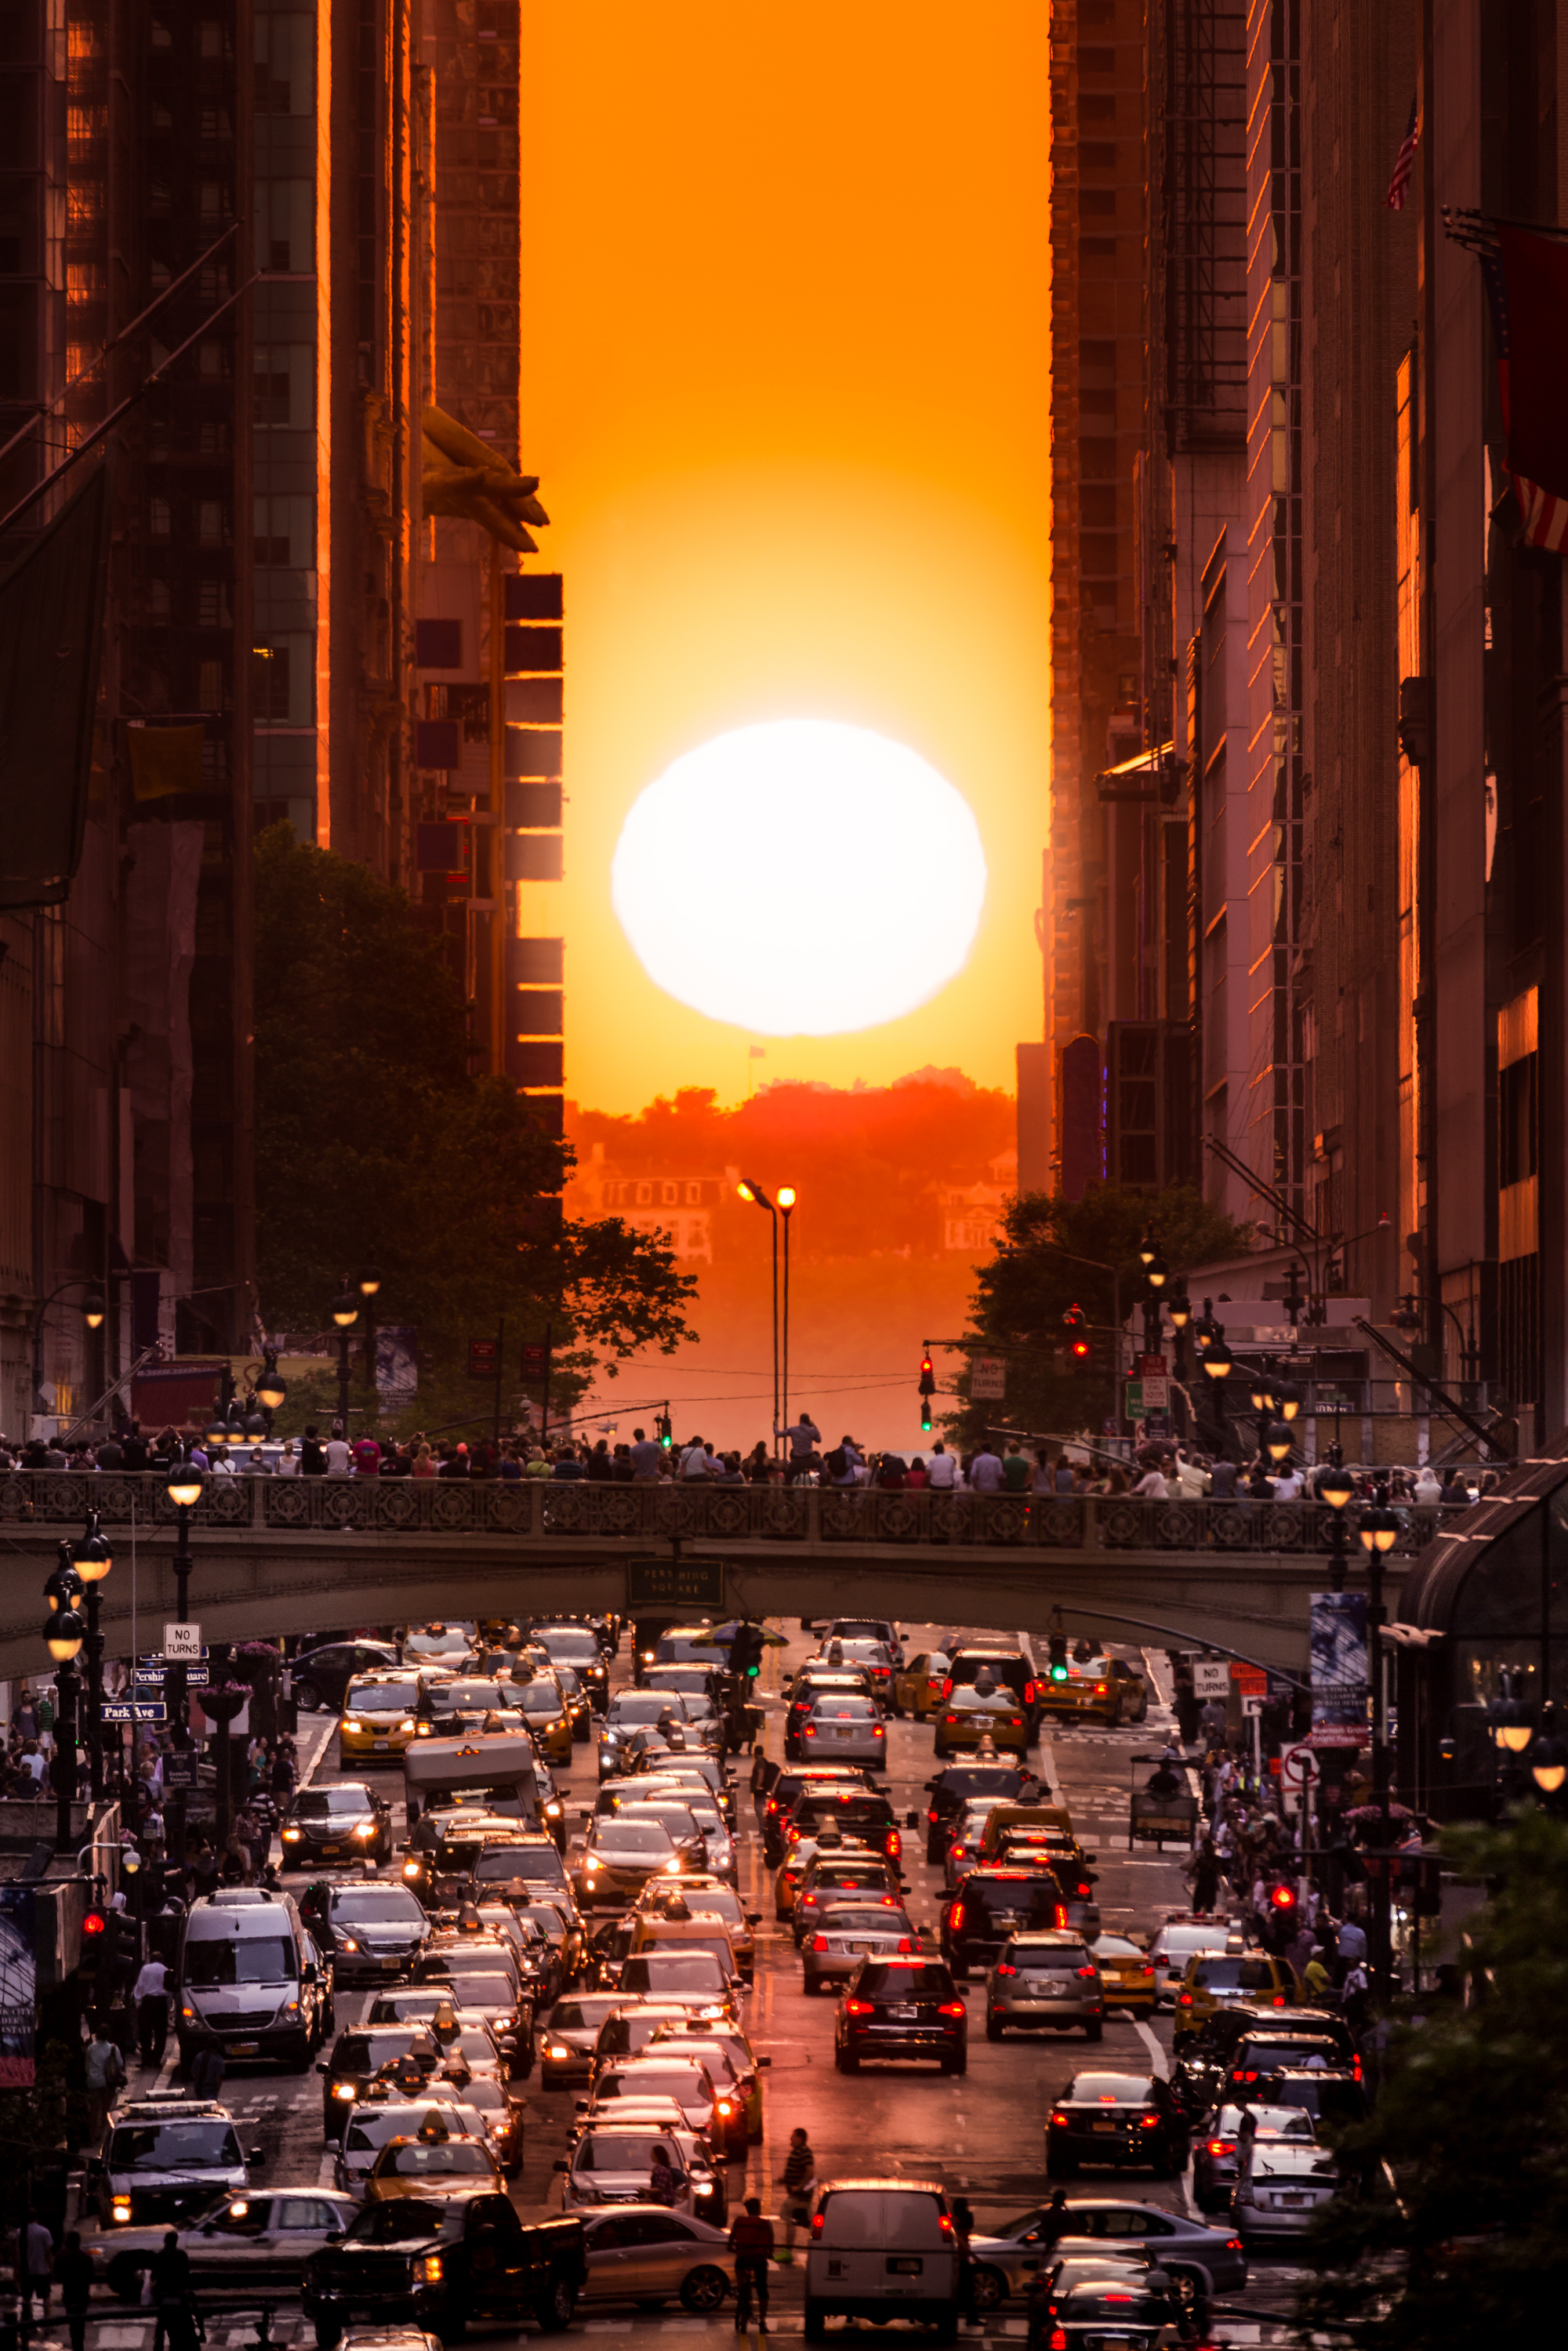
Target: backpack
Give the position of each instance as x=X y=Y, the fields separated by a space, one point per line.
x=838 y=1463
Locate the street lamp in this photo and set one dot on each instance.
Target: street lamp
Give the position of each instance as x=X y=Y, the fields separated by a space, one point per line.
x=270 y=1390
x=1335 y=1487
x=370 y=1288
x=345 y=1314
x=1379 y=1532
x=1549 y=1755
x=184 y=1488
x=1180 y=1308
x=92 y=1558
x=787 y=1199
x=92 y=1315
x=1217 y=1360
x=63 y=1634
x=751 y=1190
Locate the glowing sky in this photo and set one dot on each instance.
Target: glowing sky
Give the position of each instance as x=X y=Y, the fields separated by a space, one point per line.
x=786 y=352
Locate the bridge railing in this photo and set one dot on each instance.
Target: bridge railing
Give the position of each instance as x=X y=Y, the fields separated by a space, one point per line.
x=540 y=1511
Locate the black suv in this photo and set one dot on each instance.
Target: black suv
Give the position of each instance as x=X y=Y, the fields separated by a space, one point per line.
x=1268 y=2050
x=862 y=1815
x=358 y=2056
x=1010 y=1667
x=1200 y=2075
x=416 y=2262
x=902 y=2008
x=787 y=1783
x=989 y=1906
x=321 y=1676
x=345 y=1823
x=951 y=1790
x=1118 y=2119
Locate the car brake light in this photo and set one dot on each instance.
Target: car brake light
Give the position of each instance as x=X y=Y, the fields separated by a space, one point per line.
x=895 y=1844
x=932 y=1818
x=1102 y=1689
x=948 y=1692
x=1355 y=2067
x=1233 y=2245
x=955 y=1918
x=1222 y=2146
x=818 y=1942
x=1029 y=1693
x=859 y=2007
x=952 y=1718
x=1088 y=1972
x=1006 y=1968
x=816 y=2224
x=905 y=1944
x=1279 y=2000
x=1059 y=2122
x=890 y=1901
x=1183 y=1999
x=810 y=1730
x=773 y=1803
x=1148 y=2122
x=1059 y=2339
x=945 y=2223
x=951 y=2007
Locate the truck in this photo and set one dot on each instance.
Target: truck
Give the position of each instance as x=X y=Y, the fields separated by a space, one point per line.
x=439 y=2262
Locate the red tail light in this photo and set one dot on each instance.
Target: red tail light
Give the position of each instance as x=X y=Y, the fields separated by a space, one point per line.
x=818 y=1942
x=1060 y=1917
x=891 y=1901
x=932 y=1818
x=951 y=1717
x=1233 y=2245
x=1279 y=2000
x=1088 y=1973
x=1183 y=1999
x=895 y=1844
x=1355 y=2067
x=1148 y=2122
x=905 y=1944
x=951 y=2007
x=773 y=1803
x=1102 y=1689
x=810 y=1730
x=955 y=1918
x=945 y=2222
x=816 y=2224
x=1029 y=1693
x=1006 y=1968
x=1059 y=2339
x=859 y=2007
x=948 y=1689
x=1222 y=2146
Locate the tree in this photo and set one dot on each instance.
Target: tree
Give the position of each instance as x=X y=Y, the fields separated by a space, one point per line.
x=1050 y=1260
x=375 y=1143
x=1469 y=2123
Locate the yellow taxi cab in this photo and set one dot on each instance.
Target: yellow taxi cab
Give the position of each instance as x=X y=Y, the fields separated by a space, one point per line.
x=1215 y=1979
x=969 y=1715
x=787 y=1885
x=1054 y=1822
x=1097 y=1689
x=917 y=1685
x=699 y=1930
x=1126 y=1973
x=436 y=2163
x=379 y=1717
x=542 y=1704
x=700 y=1895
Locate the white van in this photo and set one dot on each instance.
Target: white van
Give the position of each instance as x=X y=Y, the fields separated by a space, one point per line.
x=247 y=1977
x=883 y=2249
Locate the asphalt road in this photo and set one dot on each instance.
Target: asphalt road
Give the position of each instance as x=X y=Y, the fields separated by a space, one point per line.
x=981 y=2133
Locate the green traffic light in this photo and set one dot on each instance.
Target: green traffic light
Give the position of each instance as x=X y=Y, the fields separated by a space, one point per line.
x=1058 y=1673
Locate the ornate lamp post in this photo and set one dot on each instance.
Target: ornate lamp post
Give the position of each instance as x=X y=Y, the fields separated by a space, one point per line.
x=184 y=1488
x=1379 y=1533
x=750 y=1190
x=1217 y=1359
x=63 y=1634
x=1335 y=1487
x=92 y=1558
x=345 y=1314
x=369 y=1289
x=787 y=1199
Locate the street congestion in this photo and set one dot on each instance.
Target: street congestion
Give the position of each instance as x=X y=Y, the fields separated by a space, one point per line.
x=597 y=1961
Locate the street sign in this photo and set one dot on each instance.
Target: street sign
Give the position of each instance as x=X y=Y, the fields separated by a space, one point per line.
x=123 y=1709
x=988 y=1378
x=1210 y=1677
x=156 y=1676
x=1152 y=1367
x=484 y=1359
x=1156 y=1393
x=681 y=1582
x=1301 y=1767
x=182 y=1641
x=1134 y=1406
x=180 y=1768
x=536 y=1358
x=1252 y=1681
x=1252 y=1702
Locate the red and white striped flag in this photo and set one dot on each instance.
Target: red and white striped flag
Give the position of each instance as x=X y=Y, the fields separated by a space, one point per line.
x=1405 y=161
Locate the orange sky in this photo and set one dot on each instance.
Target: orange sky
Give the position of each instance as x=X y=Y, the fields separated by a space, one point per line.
x=786 y=278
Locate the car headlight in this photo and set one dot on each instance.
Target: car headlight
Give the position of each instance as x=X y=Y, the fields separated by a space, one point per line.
x=344 y=2090
x=413 y=1869
x=552 y=1812
x=364 y=1828
x=558 y=2051
x=289 y=2008
x=119 y=2207
x=429 y=2269
x=349 y=1725
x=406 y=1725
x=347 y=1944
x=291 y=1836
x=187 y=2014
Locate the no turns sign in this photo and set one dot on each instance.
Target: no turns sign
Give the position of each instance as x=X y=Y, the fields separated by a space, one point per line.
x=1301 y=1767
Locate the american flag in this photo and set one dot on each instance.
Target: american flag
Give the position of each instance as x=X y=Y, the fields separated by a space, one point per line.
x=1405 y=161
x=1546 y=515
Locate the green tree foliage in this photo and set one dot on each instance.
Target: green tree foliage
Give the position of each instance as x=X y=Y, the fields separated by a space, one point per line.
x=1468 y=2127
x=1050 y=1260
x=375 y=1143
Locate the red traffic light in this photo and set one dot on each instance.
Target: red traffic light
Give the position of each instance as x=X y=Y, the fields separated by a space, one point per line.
x=1283 y=1897
x=927 y=1375
x=94 y=1923
x=1079 y=1350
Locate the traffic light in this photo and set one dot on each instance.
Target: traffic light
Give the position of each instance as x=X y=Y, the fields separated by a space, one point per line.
x=1058 y=1657
x=666 y=1427
x=927 y=1389
x=745 y=1652
x=1283 y=1900
x=1080 y=1346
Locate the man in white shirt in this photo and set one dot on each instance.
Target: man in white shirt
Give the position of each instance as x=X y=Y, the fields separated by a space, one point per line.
x=151 y=1993
x=339 y=1457
x=941 y=1469
x=695 y=1460
x=986 y=1470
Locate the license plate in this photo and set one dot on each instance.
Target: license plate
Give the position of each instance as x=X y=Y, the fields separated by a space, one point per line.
x=1103 y=2127
x=845 y=1731
x=330 y=1852
x=1295 y=2200
x=244 y=2048
x=982 y=1721
x=904 y=2266
x=860 y=1950
x=378 y=1746
x=385 y=1962
x=903 y=2012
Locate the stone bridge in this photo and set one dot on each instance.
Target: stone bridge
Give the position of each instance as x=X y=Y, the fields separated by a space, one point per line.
x=313 y=1555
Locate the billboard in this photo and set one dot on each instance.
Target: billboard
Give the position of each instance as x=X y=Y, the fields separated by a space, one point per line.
x=1342 y=1680
x=18 y=1984
x=397 y=1364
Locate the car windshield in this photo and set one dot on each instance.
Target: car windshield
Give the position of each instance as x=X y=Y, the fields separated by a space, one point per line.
x=626 y=2151
x=681 y=2083
x=487 y=1992
x=644 y=1706
x=1223 y=1974
x=474 y=1697
x=538 y=1697
x=1332 y=2100
x=844 y=1708
x=1117 y=1947
x=657 y=1971
x=1283 y=2162
x=1034 y=1899
x=886 y=1983
x=964 y=1781
x=1051 y=1960
x=863 y=1918
x=1270 y=2056
x=332 y=1803
x=1112 y=2090
x=376 y=1905
x=880 y=2218
x=260 y=1959
x=1181 y=1942
x=370 y=2127
x=966 y=1695
x=673 y=1650
x=395 y=2223
x=581 y=2015
x=448 y=2155
x=1090 y=2301
x=647 y=1838
x=381 y=1697
x=539 y=1864
x=175 y=2146
x=570 y=1648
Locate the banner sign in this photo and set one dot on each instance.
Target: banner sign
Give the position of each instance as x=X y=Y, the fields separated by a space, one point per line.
x=677 y=1583
x=18 y=1985
x=1342 y=1680
x=397 y=1364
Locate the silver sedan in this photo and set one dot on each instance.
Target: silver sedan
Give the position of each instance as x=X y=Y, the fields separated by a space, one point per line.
x=843 y=1726
x=846 y=1933
x=642 y=2253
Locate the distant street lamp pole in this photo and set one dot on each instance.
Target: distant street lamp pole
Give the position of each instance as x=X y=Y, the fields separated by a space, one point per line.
x=370 y=1285
x=345 y=1314
x=184 y=1490
x=787 y=1199
x=751 y=1191
x=1379 y=1533
x=92 y=1558
x=92 y=1315
x=63 y=1634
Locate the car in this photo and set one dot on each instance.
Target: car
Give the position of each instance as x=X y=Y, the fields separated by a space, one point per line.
x=618 y=1858
x=961 y=1783
x=578 y=1705
x=568 y=2037
x=840 y=1873
x=863 y=1813
x=542 y=1704
x=500 y=2114
x=462 y=1706
x=696 y=1931
x=1282 y=2187
x=346 y=1822
x=1127 y=1973
x=1130 y=2311
x=881 y=2249
x=681 y=2075
x=485 y=1982
x=435 y=2161
x=965 y=1838
x=1005 y=1667
x=165 y=2159
x=1005 y=2266
x=844 y=1933
x=1115 y=2119
x=439 y=2262
x=248 y=1977
x=1215 y=2145
x=373 y=2122
x=1047 y=1981
x=917 y=1684
x=691 y=1978
x=611 y=2160
x=707 y=1896
x=724 y=2045
x=236 y=2239
x=789 y=1783
x=901 y=2007
x=359 y=2056
x=644 y=2254
x=373 y=1931
x=1260 y=2054
x=989 y=1906
x=863 y=1628
x=1097 y=1689
x=510 y=1868
x=1203 y=2060
x=1325 y=2094
x=977 y=1712
x=379 y=1716
x=849 y=1724
x=627 y=1712
x=1183 y=1938
x=441 y=1647
x=319 y=1677
x=1212 y=2261
x=809 y=1684
x=577 y=1648
x=1230 y=1979
x=857 y=1652
x=676 y=1818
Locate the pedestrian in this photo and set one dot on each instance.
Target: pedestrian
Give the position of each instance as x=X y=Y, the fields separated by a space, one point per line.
x=986 y=1470
x=963 y=2229
x=751 y=2241
x=104 y=2069
x=177 y=2320
x=646 y=1457
x=1016 y=1478
x=942 y=1470
x=799 y=2183
x=151 y=1993
x=73 y=2275
x=38 y=2248
x=661 y=2176
x=1202 y=1874
x=205 y=2072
